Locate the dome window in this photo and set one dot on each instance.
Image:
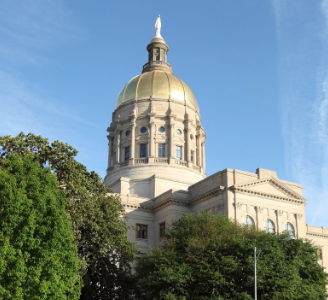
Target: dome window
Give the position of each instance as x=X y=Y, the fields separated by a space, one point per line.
x=178 y=132
x=161 y=129
x=127 y=133
x=143 y=130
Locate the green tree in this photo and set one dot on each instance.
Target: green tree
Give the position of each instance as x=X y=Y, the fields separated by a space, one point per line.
x=38 y=259
x=97 y=215
x=210 y=257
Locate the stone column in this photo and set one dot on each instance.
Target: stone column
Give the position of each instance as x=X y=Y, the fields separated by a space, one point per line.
x=118 y=146
x=199 y=151
x=188 y=144
x=203 y=155
x=152 y=140
x=171 y=143
x=133 y=142
x=109 y=151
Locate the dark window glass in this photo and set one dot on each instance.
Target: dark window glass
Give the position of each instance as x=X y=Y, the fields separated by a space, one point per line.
x=161 y=229
x=143 y=129
x=141 y=231
x=320 y=254
x=192 y=156
x=128 y=132
x=127 y=153
x=161 y=150
x=161 y=129
x=143 y=150
x=178 y=152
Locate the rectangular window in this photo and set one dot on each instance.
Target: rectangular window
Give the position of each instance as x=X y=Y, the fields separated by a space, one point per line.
x=178 y=152
x=141 y=231
x=161 y=150
x=127 y=153
x=161 y=229
x=192 y=154
x=143 y=150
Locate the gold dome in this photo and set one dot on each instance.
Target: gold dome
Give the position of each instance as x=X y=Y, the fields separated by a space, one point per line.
x=159 y=85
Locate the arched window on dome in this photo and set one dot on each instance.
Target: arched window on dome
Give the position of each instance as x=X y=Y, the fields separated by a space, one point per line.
x=269 y=226
x=290 y=229
x=248 y=221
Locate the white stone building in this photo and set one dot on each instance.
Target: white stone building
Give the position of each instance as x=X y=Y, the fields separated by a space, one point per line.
x=156 y=162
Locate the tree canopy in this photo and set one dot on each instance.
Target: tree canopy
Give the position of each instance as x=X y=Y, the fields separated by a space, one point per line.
x=38 y=259
x=210 y=257
x=97 y=216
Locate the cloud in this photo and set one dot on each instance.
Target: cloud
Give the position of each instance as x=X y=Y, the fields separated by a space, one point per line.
x=302 y=33
x=28 y=28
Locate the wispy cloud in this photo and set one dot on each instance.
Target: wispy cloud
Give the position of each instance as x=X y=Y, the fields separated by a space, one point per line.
x=29 y=32
x=302 y=31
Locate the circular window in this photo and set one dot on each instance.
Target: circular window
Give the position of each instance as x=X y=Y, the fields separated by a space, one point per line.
x=191 y=137
x=178 y=132
x=143 y=129
x=161 y=129
x=128 y=132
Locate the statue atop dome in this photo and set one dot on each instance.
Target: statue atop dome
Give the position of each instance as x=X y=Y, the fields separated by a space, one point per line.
x=158 y=26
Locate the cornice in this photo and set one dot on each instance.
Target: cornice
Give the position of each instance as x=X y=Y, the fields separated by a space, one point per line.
x=322 y=235
x=294 y=197
x=207 y=195
x=266 y=195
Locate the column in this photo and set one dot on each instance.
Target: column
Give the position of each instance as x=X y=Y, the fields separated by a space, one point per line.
x=152 y=139
x=172 y=156
x=188 y=144
x=199 y=152
x=133 y=140
x=203 y=154
x=118 y=146
x=109 y=151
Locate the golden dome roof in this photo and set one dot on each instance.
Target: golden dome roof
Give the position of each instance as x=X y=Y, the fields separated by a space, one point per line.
x=159 y=85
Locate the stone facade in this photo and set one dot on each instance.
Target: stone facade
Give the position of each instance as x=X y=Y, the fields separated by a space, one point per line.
x=156 y=162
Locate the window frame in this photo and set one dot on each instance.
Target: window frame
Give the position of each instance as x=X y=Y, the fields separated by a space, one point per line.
x=178 y=149
x=267 y=227
x=161 y=229
x=141 y=150
x=127 y=151
x=161 y=147
x=141 y=229
x=248 y=217
x=291 y=232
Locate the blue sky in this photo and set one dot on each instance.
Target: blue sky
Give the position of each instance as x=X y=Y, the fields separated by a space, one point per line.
x=258 y=68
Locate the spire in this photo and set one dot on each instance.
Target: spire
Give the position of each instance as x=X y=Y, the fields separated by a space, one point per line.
x=157 y=52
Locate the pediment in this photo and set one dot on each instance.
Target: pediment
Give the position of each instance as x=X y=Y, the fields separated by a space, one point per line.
x=269 y=188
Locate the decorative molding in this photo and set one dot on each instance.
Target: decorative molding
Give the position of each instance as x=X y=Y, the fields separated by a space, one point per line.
x=207 y=195
x=238 y=205
x=280 y=213
x=260 y=209
x=266 y=195
x=299 y=216
x=322 y=235
x=294 y=197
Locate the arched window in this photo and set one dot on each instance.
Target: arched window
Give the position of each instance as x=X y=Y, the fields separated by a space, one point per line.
x=290 y=229
x=269 y=226
x=248 y=221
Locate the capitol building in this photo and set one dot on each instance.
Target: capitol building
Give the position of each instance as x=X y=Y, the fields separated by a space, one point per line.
x=156 y=163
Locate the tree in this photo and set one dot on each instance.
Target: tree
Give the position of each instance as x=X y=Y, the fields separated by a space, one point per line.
x=210 y=257
x=38 y=259
x=97 y=215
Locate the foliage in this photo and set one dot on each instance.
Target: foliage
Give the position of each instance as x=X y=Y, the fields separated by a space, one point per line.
x=38 y=259
x=97 y=217
x=211 y=257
